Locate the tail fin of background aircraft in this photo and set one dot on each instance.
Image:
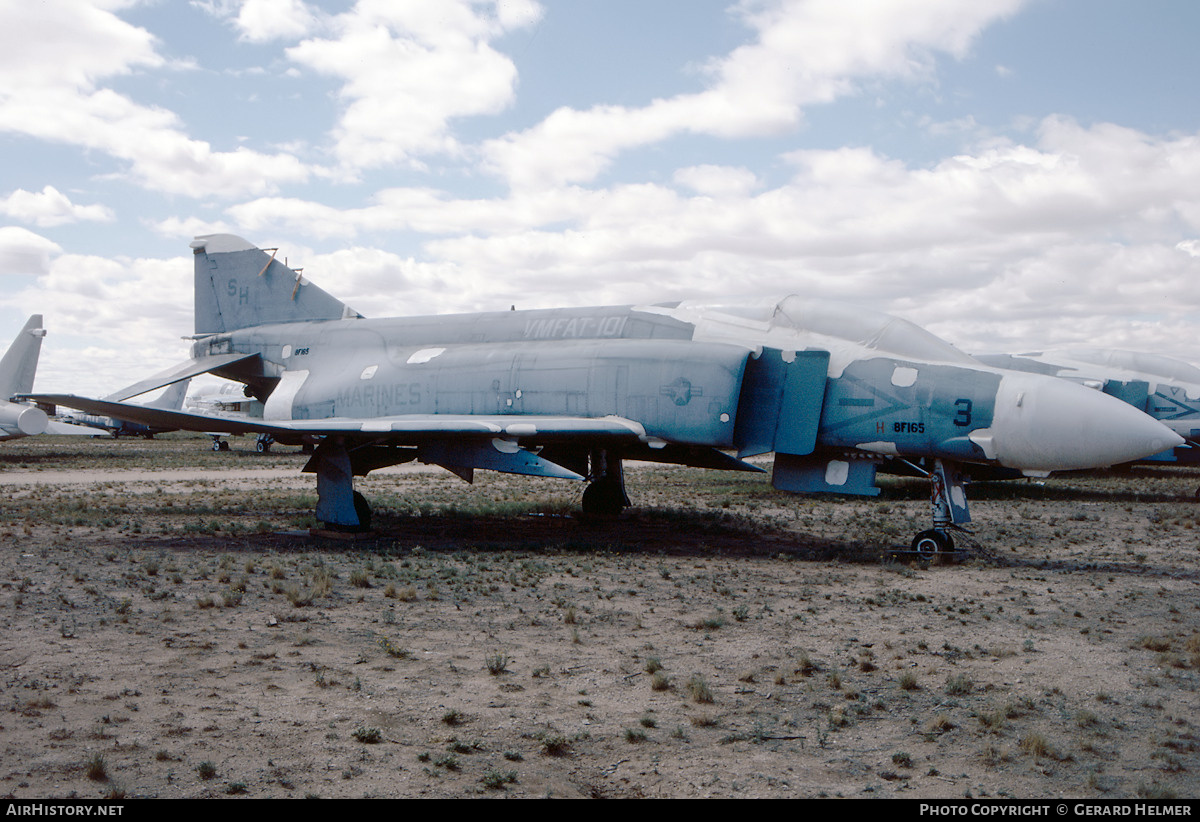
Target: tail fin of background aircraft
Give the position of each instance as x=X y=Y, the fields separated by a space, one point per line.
x=240 y=286
x=172 y=398
x=20 y=361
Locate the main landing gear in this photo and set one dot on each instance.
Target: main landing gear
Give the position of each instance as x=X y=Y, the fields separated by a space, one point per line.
x=605 y=495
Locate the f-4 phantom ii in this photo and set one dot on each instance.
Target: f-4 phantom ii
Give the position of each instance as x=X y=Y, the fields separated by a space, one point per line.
x=1165 y=388
x=831 y=390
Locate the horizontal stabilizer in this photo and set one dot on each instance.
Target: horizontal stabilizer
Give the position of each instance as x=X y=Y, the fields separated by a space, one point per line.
x=187 y=370
x=158 y=417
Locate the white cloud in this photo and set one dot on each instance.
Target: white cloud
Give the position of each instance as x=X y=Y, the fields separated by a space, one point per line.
x=263 y=20
x=50 y=207
x=717 y=180
x=806 y=52
x=22 y=252
x=408 y=70
x=54 y=58
x=138 y=306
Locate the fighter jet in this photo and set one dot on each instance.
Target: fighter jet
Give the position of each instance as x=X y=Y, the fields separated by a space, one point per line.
x=1165 y=388
x=831 y=390
x=172 y=399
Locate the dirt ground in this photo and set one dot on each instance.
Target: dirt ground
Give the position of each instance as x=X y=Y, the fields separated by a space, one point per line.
x=171 y=629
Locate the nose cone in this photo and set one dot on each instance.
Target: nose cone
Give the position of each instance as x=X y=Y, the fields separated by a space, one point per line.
x=1046 y=424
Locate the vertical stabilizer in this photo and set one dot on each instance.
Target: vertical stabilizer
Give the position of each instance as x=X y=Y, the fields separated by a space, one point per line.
x=20 y=361
x=172 y=398
x=240 y=286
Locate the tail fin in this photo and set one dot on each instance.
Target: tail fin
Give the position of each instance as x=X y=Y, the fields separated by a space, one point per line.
x=172 y=398
x=20 y=361
x=240 y=286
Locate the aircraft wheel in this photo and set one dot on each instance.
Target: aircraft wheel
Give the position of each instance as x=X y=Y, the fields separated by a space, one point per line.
x=216 y=446
x=603 y=499
x=363 y=509
x=224 y=446
x=262 y=447
x=928 y=544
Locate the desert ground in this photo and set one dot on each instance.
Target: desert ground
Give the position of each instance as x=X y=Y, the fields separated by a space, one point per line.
x=171 y=628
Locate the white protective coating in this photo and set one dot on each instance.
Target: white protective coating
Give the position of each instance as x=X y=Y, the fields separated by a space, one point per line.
x=424 y=355
x=795 y=323
x=220 y=243
x=837 y=472
x=1132 y=364
x=1042 y=423
x=279 y=404
x=1092 y=366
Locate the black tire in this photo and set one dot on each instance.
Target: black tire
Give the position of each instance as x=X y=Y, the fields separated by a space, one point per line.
x=262 y=447
x=216 y=446
x=603 y=499
x=928 y=544
x=363 y=509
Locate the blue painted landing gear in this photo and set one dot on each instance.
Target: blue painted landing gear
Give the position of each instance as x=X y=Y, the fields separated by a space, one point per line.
x=263 y=444
x=339 y=506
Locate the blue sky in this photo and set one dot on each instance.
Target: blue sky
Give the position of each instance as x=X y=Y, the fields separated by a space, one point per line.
x=1012 y=174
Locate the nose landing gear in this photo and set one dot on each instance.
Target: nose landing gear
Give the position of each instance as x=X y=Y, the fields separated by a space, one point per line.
x=948 y=500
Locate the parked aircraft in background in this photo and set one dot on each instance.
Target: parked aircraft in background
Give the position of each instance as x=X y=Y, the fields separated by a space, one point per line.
x=230 y=400
x=171 y=399
x=17 y=370
x=1165 y=388
x=832 y=390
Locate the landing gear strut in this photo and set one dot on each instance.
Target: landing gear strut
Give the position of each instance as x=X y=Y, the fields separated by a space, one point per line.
x=339 y=506
x=605 y=495
x=948 y=499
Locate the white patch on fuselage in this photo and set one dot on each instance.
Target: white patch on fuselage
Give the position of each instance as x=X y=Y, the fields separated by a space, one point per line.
x=837 y=472
x=903 y=376
x=425 y=355
x=880 y=447
x=279 y=404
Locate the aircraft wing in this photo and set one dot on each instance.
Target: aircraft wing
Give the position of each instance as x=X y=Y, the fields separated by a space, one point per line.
x=159 y=417
x=404 y=429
